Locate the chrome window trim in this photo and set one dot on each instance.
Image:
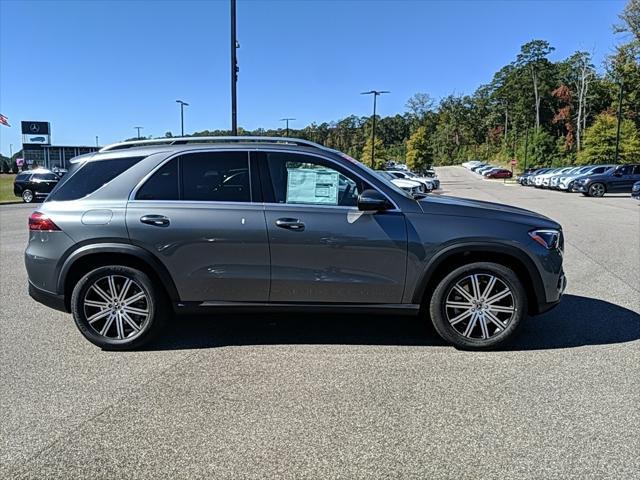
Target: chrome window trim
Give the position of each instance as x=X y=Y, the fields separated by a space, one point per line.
x=134 y=192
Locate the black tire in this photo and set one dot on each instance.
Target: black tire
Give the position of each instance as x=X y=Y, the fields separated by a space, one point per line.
x=596 y=190
x=28 y=196
x=154 y=303
x=438 y=310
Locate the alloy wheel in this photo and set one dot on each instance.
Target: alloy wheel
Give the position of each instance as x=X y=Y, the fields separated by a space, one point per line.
x=596 y=190
x=27 y=196
x=116 y=307
x=480 y=306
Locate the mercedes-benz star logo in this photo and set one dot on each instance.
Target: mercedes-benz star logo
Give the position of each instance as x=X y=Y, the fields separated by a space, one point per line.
x=34 y=127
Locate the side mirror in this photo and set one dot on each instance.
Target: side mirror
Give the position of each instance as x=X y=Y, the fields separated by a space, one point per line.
x=617 y=173
x=372 y=200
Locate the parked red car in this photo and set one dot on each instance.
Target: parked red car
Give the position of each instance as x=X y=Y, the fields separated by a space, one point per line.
x=498 y=173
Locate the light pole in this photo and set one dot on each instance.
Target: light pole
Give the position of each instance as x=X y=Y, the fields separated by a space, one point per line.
x=375 y=94
x=619 y=121
x=234 y=71
x=10 y=151
x=97 y=141
x=182 y=105
x=287 y=120
x=138 y=129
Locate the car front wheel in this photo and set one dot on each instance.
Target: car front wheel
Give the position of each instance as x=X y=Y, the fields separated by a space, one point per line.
x=118 y=307
x=478 y=305
x=596 y=190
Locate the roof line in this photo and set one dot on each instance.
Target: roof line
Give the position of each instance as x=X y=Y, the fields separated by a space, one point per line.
x=209 y=139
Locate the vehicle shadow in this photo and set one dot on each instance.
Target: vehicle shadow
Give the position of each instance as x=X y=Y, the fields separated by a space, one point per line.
x=577 y=321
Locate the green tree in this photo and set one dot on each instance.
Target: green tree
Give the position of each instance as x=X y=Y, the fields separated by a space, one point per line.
x=380 y=154
x=600 y=142
x=533 y=58
x=419 y=154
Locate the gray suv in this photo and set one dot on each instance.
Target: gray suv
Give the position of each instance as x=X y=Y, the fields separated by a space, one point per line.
x=142 y=230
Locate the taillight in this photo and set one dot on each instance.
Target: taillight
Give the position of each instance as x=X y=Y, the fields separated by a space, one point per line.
x=39 y=221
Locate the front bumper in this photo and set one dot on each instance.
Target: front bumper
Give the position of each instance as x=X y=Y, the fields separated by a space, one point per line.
x=582 y=188
x=49 y=299
x=543 y=307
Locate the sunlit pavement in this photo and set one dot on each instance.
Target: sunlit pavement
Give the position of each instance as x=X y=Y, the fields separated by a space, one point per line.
x=349 y=397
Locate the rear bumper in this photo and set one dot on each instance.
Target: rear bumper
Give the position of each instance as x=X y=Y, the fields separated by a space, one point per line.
x=49 y=299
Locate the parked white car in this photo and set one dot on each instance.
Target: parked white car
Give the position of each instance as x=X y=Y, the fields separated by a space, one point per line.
x=409 y=186
x=429 y=183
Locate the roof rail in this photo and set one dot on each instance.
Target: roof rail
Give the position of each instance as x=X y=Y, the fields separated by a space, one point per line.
x=196 y=140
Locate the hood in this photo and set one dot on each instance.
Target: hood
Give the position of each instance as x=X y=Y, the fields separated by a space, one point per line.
x=444 y=205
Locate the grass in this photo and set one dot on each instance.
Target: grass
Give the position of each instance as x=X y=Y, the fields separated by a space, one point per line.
x=6 y=188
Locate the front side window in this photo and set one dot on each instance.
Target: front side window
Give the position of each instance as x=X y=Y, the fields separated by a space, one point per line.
x=47 y=177
x=89 y=177
x=626 y=170
x=304 y=179
x=216 y=176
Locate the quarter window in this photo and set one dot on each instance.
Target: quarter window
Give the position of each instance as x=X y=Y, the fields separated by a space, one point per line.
x=303 y=179
x=216 y=176
x=163 y=184
x=90 y=177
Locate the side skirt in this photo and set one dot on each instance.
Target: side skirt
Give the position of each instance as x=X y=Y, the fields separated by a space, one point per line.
x=251 y=307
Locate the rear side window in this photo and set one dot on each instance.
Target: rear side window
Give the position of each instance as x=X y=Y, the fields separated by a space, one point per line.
x=215 y=177
x=22 y=177
x=90 y=177
x=163 y=184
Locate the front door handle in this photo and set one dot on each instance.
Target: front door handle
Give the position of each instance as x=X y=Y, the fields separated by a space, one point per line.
x=290 y=224
x=155 y=220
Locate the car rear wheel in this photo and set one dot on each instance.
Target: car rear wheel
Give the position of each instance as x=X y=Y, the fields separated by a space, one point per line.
x=597 y=190
x=118 y=307
x=478 y=305
x=27 y=196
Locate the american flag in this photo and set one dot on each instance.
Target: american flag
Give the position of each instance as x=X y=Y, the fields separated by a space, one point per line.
x=4 y=121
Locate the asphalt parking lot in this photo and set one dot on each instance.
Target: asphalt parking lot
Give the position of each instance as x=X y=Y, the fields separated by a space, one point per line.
x=340 y=397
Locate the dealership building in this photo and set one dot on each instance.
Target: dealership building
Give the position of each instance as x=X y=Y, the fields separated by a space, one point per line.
x=38 y=151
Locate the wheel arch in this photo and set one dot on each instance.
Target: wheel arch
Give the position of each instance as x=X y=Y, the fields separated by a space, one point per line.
x=88 y=257
x=457 y=255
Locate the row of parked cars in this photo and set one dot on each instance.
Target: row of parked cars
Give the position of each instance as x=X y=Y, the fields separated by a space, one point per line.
x=590 y=180
x=411 y=182
x=487 y=170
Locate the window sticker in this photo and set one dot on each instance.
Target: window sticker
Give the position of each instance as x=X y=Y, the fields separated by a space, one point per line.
x=315 y=186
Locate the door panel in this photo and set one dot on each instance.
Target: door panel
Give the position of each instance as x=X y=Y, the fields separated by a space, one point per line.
x=214 y=252
x=341 y=255
x=195 y=214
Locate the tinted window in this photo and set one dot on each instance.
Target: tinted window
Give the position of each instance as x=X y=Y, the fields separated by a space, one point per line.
x=163 y=184
x=302 y=179
x=45 y=176
x=216 y=176
x=636 y=170
x=22 y=177
x=626 y=170
x=89 y=177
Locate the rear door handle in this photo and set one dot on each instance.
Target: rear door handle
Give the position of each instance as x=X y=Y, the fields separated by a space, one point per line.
x=290 y=224
x=155 y=220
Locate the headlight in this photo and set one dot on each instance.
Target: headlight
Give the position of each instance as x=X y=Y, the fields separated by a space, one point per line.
x=549 y=239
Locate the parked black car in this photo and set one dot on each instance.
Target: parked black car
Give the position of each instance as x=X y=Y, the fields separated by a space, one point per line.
x=34 y=184
x=617 y=180
x=635 y=191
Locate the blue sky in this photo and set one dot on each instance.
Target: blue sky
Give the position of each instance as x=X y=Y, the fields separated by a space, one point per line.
x=102 y=67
